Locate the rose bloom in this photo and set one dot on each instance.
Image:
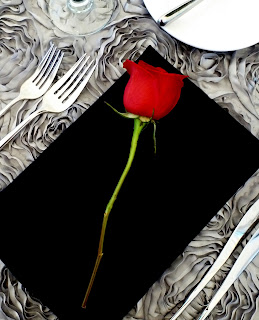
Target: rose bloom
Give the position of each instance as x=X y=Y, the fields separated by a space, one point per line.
x=150 y=91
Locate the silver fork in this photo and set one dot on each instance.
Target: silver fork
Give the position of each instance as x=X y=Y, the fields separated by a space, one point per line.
x=40 y=81
x=61 y=95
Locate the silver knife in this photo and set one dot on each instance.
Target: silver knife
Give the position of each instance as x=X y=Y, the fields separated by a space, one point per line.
x=177 y=12
x=241 y=229
x=246 y=256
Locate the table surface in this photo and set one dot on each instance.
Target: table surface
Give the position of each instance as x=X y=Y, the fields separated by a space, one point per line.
x=229 y=78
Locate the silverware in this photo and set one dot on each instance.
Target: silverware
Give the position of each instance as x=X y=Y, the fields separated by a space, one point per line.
x=243 y=226
x=246 y=256
x=177 y=12
x=61 y=95
x=40 y=81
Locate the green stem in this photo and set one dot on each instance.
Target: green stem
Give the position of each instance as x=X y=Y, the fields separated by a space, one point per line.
x=138 y=127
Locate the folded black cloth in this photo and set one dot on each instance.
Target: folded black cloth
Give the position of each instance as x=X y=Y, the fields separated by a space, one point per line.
x=52 y=213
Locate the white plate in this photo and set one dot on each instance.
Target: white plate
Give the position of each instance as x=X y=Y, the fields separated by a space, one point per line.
x=216 y=25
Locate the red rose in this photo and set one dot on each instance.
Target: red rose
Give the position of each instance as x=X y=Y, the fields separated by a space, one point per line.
x=151 y=90
x=150 y=94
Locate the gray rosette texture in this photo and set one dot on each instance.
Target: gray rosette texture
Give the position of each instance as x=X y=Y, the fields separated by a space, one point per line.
x=230 y=78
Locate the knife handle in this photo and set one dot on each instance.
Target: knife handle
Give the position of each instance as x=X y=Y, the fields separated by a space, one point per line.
x=177 y=12
x=248 y=221
x=246 y=256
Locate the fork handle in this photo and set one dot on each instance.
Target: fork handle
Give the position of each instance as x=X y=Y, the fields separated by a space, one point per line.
x=18 y=128
x=9 y=105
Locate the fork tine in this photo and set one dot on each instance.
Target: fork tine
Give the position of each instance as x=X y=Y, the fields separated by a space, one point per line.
x=52 y=68
x=79 y=88
x=56 y=66
x=75 y=79
x=46 y=56
x=72 y=78
x=43 y=60
x=56 y=86
x=46 y=65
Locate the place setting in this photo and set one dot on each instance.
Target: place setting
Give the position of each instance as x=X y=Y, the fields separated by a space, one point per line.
x=182 y=169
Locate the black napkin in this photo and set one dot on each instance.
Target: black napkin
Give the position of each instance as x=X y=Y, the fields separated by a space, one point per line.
x=52 y=213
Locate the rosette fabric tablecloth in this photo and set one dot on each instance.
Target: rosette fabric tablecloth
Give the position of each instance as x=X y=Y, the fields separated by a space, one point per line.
x=229 y=78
